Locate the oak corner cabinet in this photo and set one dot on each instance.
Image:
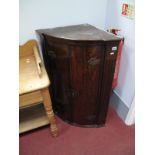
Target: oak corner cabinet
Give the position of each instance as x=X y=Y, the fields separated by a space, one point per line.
x=80 y=61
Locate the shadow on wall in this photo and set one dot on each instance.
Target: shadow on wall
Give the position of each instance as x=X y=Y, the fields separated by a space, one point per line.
x=125 y=87
x=123 y=71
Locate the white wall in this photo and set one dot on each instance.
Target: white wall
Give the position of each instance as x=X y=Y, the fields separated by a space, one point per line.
x=126 y=84
x=36 y=14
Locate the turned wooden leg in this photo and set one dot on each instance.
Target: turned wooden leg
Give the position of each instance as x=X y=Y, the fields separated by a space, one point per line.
x=49 y=111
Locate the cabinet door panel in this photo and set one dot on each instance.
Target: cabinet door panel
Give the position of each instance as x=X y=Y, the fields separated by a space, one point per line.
x=85 y=78
x=59 y=63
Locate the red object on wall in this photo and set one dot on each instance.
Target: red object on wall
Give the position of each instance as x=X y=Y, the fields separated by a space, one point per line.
x=114 y=31
x=115 y=79
x=124 y=9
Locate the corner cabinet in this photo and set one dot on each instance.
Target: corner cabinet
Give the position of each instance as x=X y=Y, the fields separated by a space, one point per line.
x=80 y=61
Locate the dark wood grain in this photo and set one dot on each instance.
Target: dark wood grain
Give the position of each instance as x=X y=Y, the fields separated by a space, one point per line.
x=82 y=32
x=80 y=66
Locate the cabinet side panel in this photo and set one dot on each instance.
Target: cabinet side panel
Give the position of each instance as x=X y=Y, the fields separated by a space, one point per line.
x=106 y=84
x=59 y=62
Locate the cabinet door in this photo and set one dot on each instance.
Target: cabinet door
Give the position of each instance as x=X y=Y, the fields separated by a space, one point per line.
x=86 y=68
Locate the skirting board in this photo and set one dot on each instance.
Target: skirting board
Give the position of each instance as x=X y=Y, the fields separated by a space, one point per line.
x=119 y=106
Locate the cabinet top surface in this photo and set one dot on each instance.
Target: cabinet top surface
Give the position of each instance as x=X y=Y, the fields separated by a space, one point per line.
x=79 y=32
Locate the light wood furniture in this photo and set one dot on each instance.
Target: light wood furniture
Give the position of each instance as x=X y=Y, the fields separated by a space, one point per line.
x=33 y=89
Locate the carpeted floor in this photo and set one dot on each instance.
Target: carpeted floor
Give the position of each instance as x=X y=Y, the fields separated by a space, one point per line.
x=114 y=139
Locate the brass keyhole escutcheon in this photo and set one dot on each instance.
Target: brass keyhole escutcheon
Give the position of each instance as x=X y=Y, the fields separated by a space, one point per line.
x=93 y=61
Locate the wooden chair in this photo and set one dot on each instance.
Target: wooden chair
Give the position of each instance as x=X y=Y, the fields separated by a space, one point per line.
x=34 y=83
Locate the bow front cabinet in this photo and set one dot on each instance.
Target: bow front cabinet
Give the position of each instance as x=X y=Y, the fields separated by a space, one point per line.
x=80 y=61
